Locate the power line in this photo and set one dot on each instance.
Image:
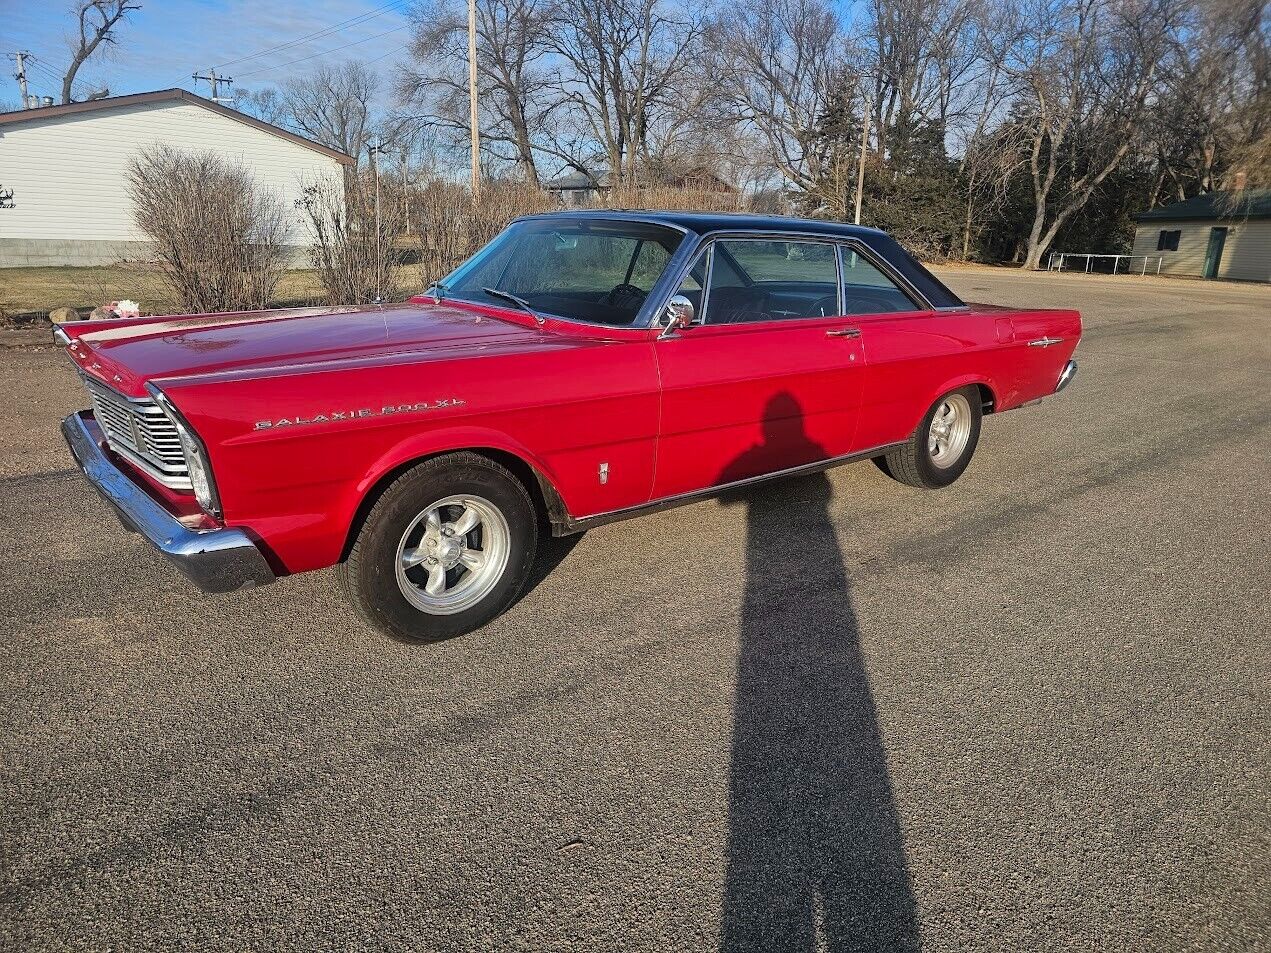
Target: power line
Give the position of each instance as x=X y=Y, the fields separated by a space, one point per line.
x=318 y=34
x=301 y=59
x=51 y=75
x=396 y=49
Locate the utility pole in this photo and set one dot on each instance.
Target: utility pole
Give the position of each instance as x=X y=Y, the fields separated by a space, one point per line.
x=860 y=167
x=406 y=189
x=472 y=97
x=20 y=76
x=375 y=149
x=214 y=82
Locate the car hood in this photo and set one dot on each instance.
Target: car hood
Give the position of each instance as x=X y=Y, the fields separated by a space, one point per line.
x=127 y=356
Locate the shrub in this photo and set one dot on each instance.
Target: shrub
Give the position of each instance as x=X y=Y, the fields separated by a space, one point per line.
x=669 y=198
x=218 y=236
x=452 y=226
x=353 y=247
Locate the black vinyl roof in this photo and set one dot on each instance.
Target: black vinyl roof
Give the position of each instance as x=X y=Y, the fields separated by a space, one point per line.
x=701 y=223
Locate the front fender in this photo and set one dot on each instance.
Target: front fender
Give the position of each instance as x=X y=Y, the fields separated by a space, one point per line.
x=418 y=446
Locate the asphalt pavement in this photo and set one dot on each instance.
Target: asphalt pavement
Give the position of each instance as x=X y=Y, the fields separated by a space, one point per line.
x=1028 y=712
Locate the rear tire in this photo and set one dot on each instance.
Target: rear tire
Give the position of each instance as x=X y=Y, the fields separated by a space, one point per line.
x=940 y=448
x=445 y=549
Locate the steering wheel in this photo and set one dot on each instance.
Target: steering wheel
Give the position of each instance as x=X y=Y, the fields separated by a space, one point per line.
x=825 y=307
x=624 y=296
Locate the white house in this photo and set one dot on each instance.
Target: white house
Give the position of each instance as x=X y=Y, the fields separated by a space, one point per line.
x=1215 y=235
x=65 y=166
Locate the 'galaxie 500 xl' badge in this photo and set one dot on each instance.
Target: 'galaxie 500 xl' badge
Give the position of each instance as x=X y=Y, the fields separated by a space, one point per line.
x=359 y=413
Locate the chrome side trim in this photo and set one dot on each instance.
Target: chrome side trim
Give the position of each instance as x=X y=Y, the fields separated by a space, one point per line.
x=1065 y=378
x=220 y=560
x=60 y=336
x=569 y=524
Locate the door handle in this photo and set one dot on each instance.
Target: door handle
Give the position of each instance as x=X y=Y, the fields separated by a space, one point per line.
x=843 y=333
x=1045 y=342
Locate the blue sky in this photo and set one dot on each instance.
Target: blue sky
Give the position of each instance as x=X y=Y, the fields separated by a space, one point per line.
x=167 y=40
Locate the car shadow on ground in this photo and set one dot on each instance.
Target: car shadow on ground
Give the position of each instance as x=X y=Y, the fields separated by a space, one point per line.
x=815 y=856
x=552 y=551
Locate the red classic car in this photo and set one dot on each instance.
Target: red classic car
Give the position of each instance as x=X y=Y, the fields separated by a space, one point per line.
x=581 y=368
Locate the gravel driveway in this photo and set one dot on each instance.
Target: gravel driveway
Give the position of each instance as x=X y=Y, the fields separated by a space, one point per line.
x=1029 y=712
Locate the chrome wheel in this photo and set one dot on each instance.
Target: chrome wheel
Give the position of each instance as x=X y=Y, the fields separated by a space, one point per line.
x=950 y=430
x=453 y=554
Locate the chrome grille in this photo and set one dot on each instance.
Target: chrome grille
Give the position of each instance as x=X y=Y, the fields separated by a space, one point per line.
x=137 y=428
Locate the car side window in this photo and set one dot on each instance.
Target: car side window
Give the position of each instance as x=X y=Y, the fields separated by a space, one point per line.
x=867 y=290
x=693 y=283
x=769 y=280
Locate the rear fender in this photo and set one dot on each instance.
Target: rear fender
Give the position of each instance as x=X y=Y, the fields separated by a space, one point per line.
x=957 y=383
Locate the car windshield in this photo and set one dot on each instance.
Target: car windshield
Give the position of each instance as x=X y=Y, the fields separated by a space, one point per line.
x=593 y=270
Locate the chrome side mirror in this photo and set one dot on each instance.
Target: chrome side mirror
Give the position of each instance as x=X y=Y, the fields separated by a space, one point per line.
x=679 y=315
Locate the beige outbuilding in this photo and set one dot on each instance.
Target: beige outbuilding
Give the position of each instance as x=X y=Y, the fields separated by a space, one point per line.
x=66 y=167
x=1216 y=235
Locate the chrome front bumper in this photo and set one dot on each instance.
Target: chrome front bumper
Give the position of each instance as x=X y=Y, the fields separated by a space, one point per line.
x=220 y=560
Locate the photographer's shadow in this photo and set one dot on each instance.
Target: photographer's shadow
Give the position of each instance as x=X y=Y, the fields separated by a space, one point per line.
x=815 y=856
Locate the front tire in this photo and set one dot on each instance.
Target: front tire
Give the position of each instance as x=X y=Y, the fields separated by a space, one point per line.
x=445 y=549
x=940 y=448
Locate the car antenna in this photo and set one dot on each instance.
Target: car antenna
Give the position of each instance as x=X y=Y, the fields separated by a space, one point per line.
x=515 y=299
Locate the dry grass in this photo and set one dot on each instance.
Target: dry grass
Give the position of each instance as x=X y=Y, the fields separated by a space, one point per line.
x=25 y=291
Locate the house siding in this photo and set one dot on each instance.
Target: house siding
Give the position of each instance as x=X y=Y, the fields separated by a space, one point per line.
x=68 y=176
x=1246 y=255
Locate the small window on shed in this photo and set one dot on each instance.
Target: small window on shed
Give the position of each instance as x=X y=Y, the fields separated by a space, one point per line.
x=1168 y=240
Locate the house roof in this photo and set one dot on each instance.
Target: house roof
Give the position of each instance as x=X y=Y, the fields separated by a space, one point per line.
x=1213 y=206
x=168 y=95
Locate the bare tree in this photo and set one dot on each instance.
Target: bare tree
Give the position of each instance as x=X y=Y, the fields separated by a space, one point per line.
x=1215 y=102
x=264 y=103
x=989 y=150
x=919 y=59
x=988 y=165
x=219 y=236
x=1086 y=70
x=332 y=105
x=782 y=76
x=625 y=62
x=96 y=21
x=513 y=79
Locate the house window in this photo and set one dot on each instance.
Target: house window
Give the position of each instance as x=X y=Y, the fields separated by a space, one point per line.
x=1168 y=241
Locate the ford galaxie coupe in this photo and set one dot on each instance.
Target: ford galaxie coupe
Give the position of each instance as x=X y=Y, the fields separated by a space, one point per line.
x=581 y=368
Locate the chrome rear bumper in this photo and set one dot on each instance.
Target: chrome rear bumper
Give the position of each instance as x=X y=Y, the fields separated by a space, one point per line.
x=1065 y=378
x=220 y=560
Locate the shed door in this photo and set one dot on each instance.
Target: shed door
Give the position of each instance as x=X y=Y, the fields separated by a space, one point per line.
x=1213 y=254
